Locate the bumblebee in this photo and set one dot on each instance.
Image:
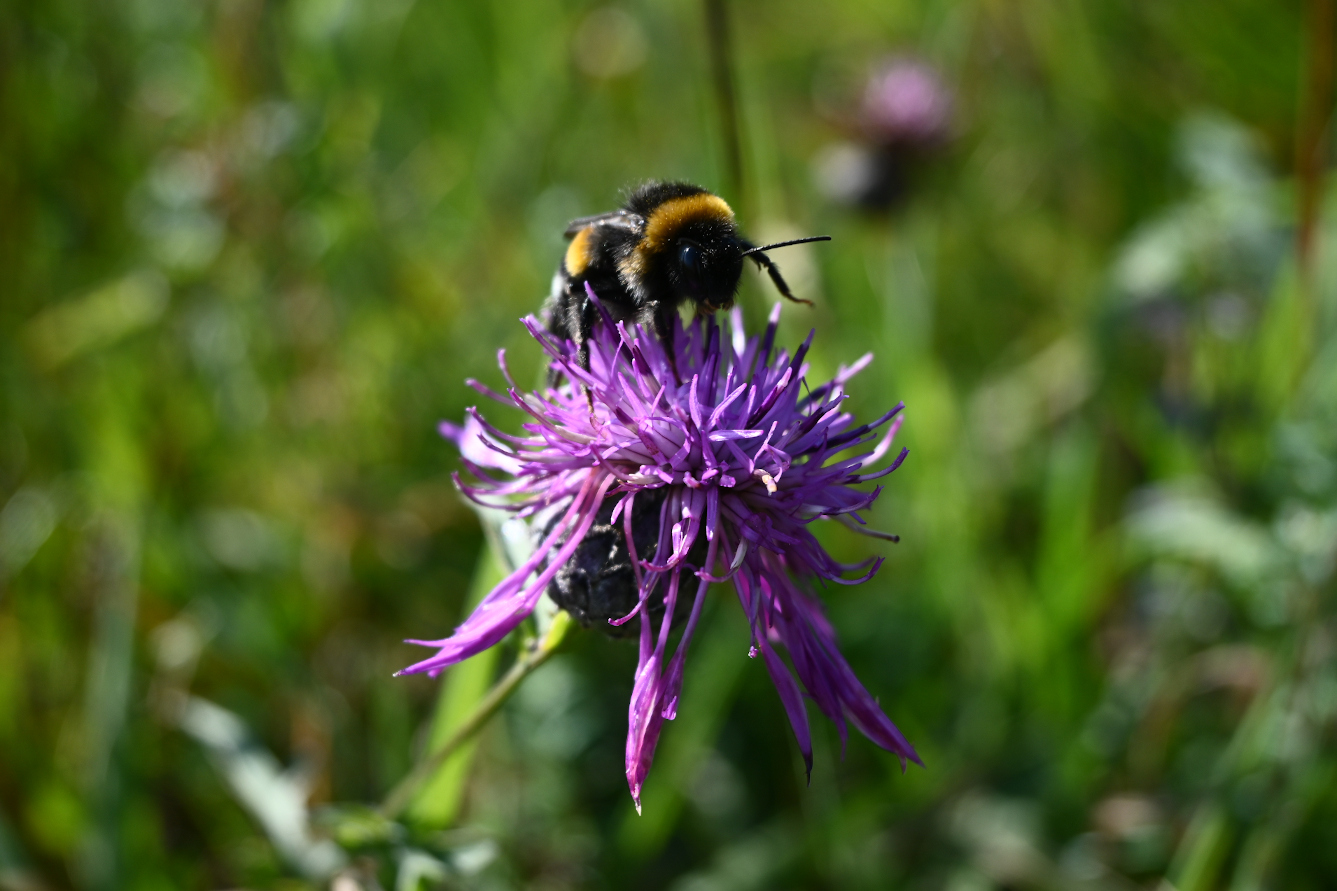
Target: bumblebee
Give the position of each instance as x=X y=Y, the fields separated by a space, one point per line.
x=669 y=244
x=598 y=583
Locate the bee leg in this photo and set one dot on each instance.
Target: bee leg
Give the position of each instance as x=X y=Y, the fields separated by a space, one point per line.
x=573 y=319
x=662 y=322
x=587 y=316
x=564 y=320
x=773 y=271
x=554 y=374
x=587 y=319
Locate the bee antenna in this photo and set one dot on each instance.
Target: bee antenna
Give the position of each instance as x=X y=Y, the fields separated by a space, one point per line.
x=780 y=244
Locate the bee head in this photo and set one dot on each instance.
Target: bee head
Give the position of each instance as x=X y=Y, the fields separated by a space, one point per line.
x=690 y=248
x=705 y=263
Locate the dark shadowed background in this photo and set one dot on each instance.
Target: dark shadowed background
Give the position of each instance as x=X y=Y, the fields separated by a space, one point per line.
x=249 y=252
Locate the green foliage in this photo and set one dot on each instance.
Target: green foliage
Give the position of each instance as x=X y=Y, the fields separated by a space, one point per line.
x=251 y=252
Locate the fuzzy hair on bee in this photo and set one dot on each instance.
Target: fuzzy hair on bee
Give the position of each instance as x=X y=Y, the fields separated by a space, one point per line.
x=597 y=585
x=670 y=243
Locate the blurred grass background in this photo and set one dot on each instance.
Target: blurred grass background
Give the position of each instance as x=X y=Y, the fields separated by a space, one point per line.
x=251 y=250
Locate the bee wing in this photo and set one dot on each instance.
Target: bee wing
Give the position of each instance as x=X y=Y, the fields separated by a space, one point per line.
x=617 y=219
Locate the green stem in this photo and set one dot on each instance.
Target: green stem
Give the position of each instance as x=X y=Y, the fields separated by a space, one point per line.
x=534 y=655
x=720 y=46
x=1312 y=125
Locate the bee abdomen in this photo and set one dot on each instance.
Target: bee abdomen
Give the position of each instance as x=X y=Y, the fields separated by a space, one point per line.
x=598 y=583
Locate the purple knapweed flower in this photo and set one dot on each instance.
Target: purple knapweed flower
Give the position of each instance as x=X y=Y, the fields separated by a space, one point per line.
x=905 y=102
x=745 y=455
x=904 y=118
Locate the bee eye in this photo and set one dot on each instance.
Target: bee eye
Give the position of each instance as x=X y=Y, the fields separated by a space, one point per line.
x=689 y=257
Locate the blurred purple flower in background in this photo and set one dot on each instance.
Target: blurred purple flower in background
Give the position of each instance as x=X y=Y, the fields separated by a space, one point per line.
x=741 y=452
x=904 y=115
x=905 y=102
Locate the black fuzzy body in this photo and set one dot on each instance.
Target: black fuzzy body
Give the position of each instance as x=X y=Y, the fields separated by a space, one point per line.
x=598 y=583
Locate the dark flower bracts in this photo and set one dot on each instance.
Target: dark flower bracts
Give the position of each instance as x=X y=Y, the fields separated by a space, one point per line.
x=742 y=453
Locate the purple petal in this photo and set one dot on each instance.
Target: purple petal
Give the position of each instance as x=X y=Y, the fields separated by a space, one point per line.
x=512 y=600
x=644 y=712
x=793 y=702
x=673 y=677
x=824 y=672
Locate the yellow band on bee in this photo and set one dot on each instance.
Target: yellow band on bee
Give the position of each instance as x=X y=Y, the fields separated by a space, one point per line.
x=578 y=253
x=664 y=223
x=666 y=219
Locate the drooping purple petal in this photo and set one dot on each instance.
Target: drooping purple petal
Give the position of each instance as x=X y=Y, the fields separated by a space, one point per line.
x=792 y=699
x=515 y=598
x=799 y=623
